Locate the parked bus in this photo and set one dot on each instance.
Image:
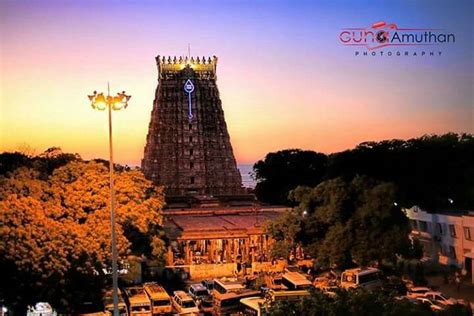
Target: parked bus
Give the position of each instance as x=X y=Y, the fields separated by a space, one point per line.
x=228 y=303
x=366 y=278
x=138 y=302
x=108 y=301
x=295 y=281
x=293 y=295
x=252 y=306
x=160 y=300
x=223 y=287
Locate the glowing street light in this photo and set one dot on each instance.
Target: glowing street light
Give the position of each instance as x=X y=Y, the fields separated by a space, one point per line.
x=116 y=103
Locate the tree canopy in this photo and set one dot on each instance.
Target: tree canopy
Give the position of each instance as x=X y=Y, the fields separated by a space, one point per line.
x=55 y=211
x=283 y=171
x=430 y=171
x=284 y=229
x=355 y=303
x=341 y=222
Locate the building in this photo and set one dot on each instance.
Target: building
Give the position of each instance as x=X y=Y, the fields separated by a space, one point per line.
x=215 y=229
x=188 y=147
x=219 y=241
x=447 y=237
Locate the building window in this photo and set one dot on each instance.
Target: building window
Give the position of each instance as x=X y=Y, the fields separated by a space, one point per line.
x=190 y=126
x=439 y=228
x=467 y=233
x=192 y=180
x=423 y=226
x=413 y=224
x=442 y=250
x=191 y=152
x=190 y=139
x=452 y=252
x=452 y=231
x=191 y=165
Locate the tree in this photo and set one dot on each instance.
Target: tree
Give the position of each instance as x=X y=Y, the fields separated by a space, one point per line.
x=429 y=171
x=352 y=221
x=284 y=170
x=284 y=230
x=351 y=303
x=56 y=225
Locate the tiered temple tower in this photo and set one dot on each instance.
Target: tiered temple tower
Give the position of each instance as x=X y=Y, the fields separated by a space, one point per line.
x=188 y=148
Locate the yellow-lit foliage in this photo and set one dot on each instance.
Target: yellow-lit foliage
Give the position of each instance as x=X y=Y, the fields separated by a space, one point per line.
x=63 y=222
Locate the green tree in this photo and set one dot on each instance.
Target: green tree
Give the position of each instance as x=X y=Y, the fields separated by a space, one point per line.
x=350 y=303
x=284 y=230
x=284 y=170
x=429 y=171
x=352 y=221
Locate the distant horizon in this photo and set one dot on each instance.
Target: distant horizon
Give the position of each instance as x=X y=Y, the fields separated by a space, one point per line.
x=34 y=152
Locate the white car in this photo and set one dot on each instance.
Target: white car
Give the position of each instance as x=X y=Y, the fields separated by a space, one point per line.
x=435 y=306
x=419 y=291
x=184 y=303
x=439 y=297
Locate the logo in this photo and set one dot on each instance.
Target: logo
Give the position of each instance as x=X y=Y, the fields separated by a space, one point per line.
x=382 y=34
x=188 y=86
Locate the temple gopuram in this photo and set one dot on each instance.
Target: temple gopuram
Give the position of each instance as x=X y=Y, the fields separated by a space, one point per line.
x=188 y=147
x=214 y=226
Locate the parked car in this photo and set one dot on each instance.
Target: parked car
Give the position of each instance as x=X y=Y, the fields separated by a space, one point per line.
x=439 y=297
x=138 y=302
x=206 y=304
x=108 y=301
x=418 y=291
x=208 y=284
x=202 y=296
x=198 y=291
x=184 y=304
x=435 y=306
x=160 y=300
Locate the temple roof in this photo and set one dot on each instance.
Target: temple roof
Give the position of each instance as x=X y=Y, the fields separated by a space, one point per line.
x=231 y=224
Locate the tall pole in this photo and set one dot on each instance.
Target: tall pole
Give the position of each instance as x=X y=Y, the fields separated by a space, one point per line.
x=112 y=211
x=100 y=102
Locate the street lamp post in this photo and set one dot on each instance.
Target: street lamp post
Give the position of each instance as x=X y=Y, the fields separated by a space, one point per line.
x=116 y=103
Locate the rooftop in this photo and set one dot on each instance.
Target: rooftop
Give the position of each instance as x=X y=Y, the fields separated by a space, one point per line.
x=182 y=295
x=155 y=290
x=193 y=224
x=136 y=295
x=444 y=211
x=198 y=287
x=297 y=278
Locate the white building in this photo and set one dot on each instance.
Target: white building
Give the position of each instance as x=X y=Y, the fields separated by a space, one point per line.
x=447 y=237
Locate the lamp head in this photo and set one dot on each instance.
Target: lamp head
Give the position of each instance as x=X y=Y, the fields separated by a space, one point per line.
x=91 y=97
x=120 y=101
x=99 y=102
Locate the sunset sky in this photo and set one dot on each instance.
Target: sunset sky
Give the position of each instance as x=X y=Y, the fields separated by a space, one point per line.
x=284 y=78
